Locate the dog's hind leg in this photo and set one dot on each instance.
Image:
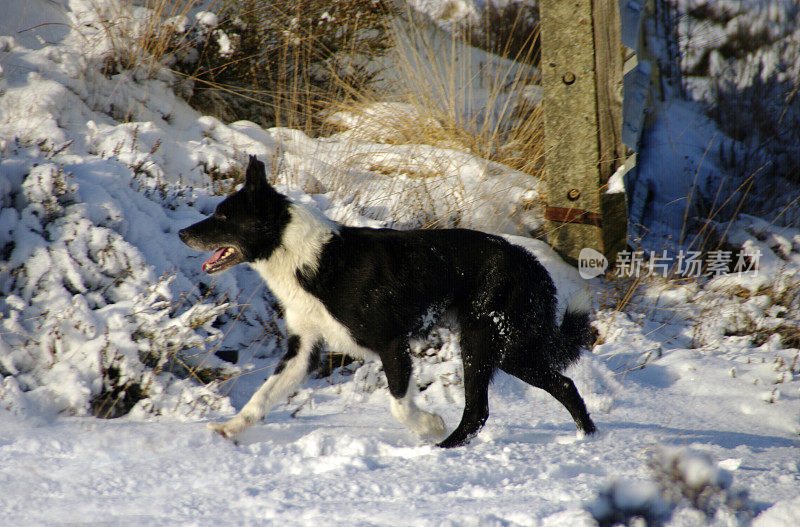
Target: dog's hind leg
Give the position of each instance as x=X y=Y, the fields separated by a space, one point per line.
x=403 y=389
x=292 y=369
x=559 y=386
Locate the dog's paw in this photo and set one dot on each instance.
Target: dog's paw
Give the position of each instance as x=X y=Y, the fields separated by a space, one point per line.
x=588 y=434
x=228 y=429
x=588 y=428
x=431 y=426
x=578 y=436
x=454 y=440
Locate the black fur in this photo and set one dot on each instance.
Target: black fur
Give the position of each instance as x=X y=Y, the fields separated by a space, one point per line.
x=385 y=286
x=292 y=347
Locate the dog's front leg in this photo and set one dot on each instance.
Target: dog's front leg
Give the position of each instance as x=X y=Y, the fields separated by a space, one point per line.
x=292 y=369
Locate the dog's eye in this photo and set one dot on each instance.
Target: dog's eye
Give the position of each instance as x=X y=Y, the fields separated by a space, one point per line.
x=220 y=216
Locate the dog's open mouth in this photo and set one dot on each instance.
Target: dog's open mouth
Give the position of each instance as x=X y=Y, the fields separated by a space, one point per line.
x=222 y=258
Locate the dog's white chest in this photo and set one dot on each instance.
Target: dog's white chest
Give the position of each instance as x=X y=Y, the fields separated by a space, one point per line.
x=281 y=278
x=305 y=314
x=302 y=243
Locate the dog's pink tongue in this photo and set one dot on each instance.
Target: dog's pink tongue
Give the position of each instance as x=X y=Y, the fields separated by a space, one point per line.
x=214 y=257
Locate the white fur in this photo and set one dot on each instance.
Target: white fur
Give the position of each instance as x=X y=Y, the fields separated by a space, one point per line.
x=407 y=412
x=275 y=390
x=306 y=316
x=580 y=302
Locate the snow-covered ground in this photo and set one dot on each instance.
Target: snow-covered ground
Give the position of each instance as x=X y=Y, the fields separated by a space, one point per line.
x=334 y=455
x=98 y=172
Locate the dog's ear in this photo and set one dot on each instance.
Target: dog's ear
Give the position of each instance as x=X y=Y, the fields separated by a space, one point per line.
x=256 y=175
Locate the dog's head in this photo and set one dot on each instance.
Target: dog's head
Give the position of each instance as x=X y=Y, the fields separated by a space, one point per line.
x=247 y=225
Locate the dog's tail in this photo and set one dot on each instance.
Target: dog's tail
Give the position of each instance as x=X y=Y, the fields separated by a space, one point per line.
x=575 y=329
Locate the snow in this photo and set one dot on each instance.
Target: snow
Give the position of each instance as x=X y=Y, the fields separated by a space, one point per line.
x=448 y=13
x=99 y=171
x=677 y=143
x=341 y=458
x=207 y=18
x=783 y=514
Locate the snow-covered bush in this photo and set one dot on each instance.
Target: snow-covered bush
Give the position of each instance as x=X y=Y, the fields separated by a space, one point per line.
x=760 y=307
x=685 y=483
x=278 y=63
x=767 y=313
x=690 y=477
x=740 y=59
x=629 y=503
x=86 y=327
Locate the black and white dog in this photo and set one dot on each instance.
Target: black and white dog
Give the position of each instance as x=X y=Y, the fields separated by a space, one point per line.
x=364 y=292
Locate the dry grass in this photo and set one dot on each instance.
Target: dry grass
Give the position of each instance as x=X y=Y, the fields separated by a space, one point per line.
x=273 y=63
x=287 y=60
x=447 y=95
x=482 y=107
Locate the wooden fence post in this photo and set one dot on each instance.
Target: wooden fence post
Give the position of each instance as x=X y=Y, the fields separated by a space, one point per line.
x=582 y=82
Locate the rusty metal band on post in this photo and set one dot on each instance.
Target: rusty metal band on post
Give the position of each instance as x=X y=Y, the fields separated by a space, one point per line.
x=567 y=215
